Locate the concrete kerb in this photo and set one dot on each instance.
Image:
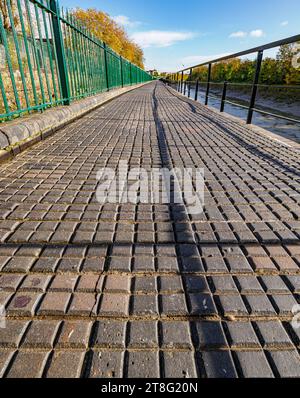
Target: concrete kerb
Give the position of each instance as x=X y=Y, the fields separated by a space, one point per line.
x=18 y=135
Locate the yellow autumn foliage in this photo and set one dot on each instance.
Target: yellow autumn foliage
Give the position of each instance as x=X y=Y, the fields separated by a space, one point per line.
x=102 y=26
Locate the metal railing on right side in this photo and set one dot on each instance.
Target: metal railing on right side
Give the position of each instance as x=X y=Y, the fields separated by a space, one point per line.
x=47 y=58
x=183 y=84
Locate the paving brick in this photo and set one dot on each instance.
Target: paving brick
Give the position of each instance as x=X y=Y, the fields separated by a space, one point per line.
x=63 y=283
x=97 y=252
x=19 y=264
x=11 y=335
x=260 y=305
x=284 y=304
x=188 y=250
x=143 y=264
x=48 y=264
x=173 y=305
x=242 y=335
x=254 y=250
x=208 y=334
x=170 y=284
x=5 y=358
x=273 y=335
x=10 y=282
x=144 y=305
x=261 y=264
x=35 y=283
x=167 y=264
x=114 y=304
x=238 y=264
x=28 y=365
x=24 y=304
x=293 y=282
x=90 y=283
x=120 y=264
x=109 y=334
x=145 y=284
x=201 y=304
x=41 y=334
x=117 y=284
x=69 y=265
x=143 y=335
x=54 y=303
x=106 y=365
x=286 y=363
x=219 y=364
x=192 y=264
x=4 y=260
x=224 y=284
x=215 y=265
x=167 y=250
x=249 y=284
x=181 y=365
x=93 y=265
x=84 y=304
x=74 y=334
x=176 y=335
x=254 y=364
x=144 y=250
x=232 y=305
x=66 y=364
x=142 y=364
x=274 y=284
x=196 y=284
x=286 y=264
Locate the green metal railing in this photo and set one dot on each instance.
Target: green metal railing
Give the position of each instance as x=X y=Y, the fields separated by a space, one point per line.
x=48 y=59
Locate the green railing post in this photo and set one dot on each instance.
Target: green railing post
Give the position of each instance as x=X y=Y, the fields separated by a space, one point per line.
x=61 y=56
x=121 y=65
x=106 y=67
x=130 y=68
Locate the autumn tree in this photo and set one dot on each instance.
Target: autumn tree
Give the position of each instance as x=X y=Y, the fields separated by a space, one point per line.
x=5 y=15
x=103 y=27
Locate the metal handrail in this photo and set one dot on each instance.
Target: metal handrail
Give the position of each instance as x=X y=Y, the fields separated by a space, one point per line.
x=182 y=83
x=264 y=47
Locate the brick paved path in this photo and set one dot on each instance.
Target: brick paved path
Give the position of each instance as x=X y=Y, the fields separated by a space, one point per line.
x=148 y=291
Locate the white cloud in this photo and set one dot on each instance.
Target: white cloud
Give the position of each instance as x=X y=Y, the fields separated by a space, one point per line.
x=199 y=59
x=242 y=34
x=284 y=23
x=238 y=35
x=126 y=21
x=160 y=38
x=257 y=33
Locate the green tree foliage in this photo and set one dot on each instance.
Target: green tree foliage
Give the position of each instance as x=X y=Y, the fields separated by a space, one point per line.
x=273 y=71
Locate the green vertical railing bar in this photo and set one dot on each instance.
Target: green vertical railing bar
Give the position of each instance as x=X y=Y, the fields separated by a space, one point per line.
x=38 y=24
x=35 y=50
x=55 y=53
x=9 y=63
x=70 y=59
x=12 y=24
x=106 y=67
x=2 y=88
x=49 y=54
x=24 y=34
x=61 y=57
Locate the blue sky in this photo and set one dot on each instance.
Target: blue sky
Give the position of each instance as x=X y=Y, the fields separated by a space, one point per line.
x=175 y=33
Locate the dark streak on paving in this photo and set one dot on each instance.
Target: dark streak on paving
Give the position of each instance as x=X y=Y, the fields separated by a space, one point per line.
x=148 y=290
